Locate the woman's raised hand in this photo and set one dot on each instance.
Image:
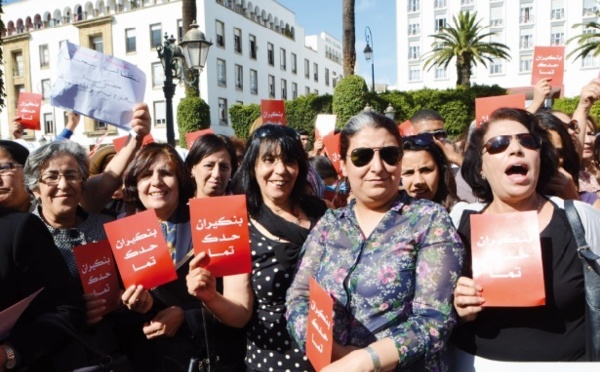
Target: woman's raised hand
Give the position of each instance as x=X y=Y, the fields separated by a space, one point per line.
x=467 y=299
x=137 y=299
x=200 y=282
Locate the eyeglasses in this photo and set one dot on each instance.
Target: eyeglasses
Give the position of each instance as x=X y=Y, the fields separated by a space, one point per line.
x=269 y=130
x=418 y=140
x=52 y=179
x=499 y=144
x=439 y=134
x=8 y=168
x=573 y=125
x=363 y=155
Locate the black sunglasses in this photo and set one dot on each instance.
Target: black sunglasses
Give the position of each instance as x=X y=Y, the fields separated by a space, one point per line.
x=573 y=125
x=499 y=144
x=273 y=130
x=363 y=155
x=439 y=134
x=418 y=140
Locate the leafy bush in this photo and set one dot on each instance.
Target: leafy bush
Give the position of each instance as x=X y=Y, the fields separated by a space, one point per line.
x=242 y=117
x=192 y=114
x=349 y=98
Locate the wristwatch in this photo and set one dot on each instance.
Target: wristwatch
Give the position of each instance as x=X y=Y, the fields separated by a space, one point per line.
x=11 y=358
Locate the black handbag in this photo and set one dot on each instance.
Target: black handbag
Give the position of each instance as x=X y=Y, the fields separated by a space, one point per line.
x=210 y=363
x=591 y=277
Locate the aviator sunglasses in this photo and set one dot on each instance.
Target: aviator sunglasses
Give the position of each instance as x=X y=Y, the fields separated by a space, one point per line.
x=363 y=155
x=418 y=140
x=498 y=144
x=439 y=134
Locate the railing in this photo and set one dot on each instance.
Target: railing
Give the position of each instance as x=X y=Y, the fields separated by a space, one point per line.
x=557 y=14
x=496 y=22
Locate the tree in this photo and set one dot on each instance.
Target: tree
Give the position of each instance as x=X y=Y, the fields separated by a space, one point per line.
x=349 y=38
x=349 y=98
x=465 y=42
x=192 y=114
x=588 y=42
x=2 y=88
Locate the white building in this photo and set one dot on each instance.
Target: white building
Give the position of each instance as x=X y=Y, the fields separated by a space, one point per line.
x=258 y=52
x=520 y=24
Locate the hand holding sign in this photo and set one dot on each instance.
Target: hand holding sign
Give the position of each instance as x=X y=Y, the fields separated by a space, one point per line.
x=28 y=109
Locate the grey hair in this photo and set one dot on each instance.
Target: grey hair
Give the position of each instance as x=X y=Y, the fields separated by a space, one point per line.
x=38 y=159
x=366 y=120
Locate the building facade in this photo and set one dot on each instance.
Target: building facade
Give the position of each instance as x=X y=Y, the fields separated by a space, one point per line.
x=519 y=24
x=258 y=52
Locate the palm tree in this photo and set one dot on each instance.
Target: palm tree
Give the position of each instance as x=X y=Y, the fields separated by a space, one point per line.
x=349 y=38
x=465 y=42
x=588 y=42
x=188 y=10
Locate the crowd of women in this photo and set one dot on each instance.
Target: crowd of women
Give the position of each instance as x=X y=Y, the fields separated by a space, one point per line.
x=394 y=254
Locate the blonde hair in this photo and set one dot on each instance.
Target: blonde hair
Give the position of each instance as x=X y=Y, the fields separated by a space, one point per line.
x=255 y=125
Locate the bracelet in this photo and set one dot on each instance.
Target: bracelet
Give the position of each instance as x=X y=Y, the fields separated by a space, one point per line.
x=374 y=358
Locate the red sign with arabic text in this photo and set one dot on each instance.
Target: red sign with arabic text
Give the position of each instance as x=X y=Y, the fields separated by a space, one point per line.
x=332 y=147
x=548 y=62
x=507 y=255
x=220 y=229
x=98 y=272
x=192 y=136
x=484 y=106
x=319 y=327
x=120 y=142
x=272 y=111
x=29 y=108
x=140 y=250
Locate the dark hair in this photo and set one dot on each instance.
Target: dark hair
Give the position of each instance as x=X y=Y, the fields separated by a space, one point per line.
x=239 y=145
x=363 y=120
x=144 y=159
x=426 y=114
x=323 y=166
x=571 y=162
x=471 y=167
x=207 y=145
x=275 y=140
x=302 y=132
x=446 y=191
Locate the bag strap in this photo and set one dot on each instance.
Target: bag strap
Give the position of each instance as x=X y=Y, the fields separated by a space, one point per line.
x=583 y=249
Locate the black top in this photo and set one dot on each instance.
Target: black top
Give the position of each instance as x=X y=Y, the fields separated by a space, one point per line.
x=552 y=332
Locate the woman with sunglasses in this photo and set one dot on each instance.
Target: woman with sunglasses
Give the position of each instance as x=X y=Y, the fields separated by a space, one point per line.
x=273 y=177
x=389 y=261
x=426 y=172
x=508 y=163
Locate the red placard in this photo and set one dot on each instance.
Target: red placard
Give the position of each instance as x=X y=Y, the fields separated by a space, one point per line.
x=192 y=136
x=140 y=250
x=272 y=111
x=319 y=330
x=220 y=229
x=98 y=272
x=28 y=108
x=484 y=106
x=324 y=125
x=507 y=255
x=332 y=146
x=120 y=142
x=406 y=129
x=548 y=62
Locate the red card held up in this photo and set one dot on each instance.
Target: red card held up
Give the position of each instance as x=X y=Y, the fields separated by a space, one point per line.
x=319 y=330
x=192 y=136
x=332 y=147
x=29 y=108
x=548 y=62
x=484 y=106
x=272 y=111
x=406 y=129
x=120 y=142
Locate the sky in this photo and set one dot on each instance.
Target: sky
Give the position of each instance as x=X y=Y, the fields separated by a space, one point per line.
x=316 y=16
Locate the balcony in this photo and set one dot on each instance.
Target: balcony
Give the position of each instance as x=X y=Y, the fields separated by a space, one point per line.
x=590 y=12
x=439 y=4
x=526 y=19
x=557 y=14
x=496 y=22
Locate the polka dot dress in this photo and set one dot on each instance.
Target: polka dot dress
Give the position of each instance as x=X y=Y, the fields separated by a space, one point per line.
x=270 y=347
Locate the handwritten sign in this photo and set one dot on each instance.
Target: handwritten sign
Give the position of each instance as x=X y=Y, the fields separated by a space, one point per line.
x=192 y=136
x=220 y=228
x=97 y=85
x=28 y=108
x=548 y=62
x=507 y=255
x=319 y=330
x=10 y=316
x=120 y=142
x=324 y=125
x=332 y=147
x=484 y=106
x=272 y=111
x=140 y=250
x=406 y=129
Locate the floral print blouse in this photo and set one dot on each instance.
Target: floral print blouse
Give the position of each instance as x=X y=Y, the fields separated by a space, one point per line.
x=397 y=282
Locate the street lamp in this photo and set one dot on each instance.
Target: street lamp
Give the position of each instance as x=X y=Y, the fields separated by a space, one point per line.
x=369 y=55
x=193 y=49
x=390 y=112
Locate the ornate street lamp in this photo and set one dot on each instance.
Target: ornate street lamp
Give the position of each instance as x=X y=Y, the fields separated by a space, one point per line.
x=390 y=112
x=369 y=55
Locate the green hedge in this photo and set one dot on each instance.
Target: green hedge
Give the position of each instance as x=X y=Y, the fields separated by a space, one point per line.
x=192 y=114
x=568 y=106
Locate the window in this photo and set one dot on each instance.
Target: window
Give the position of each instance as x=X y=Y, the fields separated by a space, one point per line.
x=496 y=67
x=525 y=63
x=282 y=59
x=589 y=8
x=306 y=68
x=48 y=124
x=158 y=75
x=44 y=56
x=327 y=76
x=220 y=34
x=271 y=86
x=438 y=4
x=221 y=72
x=316 y=92
x=46 y=89
x=239 y=77
x=526 y=14
x=160 y=114
x=414 y=73
x=440 y=73
x=294 y=90
x=179 y=30
x=414 y=50
x=557 y=35
x=252 y=39
x=19 y=64
x=237 y=40
x=440 y=22
x=130 y=40
x=590 y=61
x=223 y=111
x=414 y=28
x=414 y=5
x=253 y=82
x=294 y=63
x=97 y=43
x=307 y=90
x=283 y=89
x=526 y=41
x=496 y=15
x=558 y=10
x=316 y=71
x=270 y=54
x=100 y=126
x=155 y=35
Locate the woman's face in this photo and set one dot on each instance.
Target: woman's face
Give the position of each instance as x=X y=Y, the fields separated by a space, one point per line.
x=13 y=194
x=557 y=142
x=275 y=177
x=375 y=184
x=212 y=174
x=60 y=187
x=158 y=188
x=420 y=174
x=588 y=143
x=513 y=173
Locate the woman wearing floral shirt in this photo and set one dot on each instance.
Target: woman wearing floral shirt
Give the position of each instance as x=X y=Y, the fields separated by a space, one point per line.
x=390 y=262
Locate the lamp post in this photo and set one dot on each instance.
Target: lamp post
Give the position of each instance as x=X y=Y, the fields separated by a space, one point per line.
x=369 y=55
x=191 y=52
x=390 y=112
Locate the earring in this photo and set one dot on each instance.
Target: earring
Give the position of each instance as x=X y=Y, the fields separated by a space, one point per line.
x=483 y=176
